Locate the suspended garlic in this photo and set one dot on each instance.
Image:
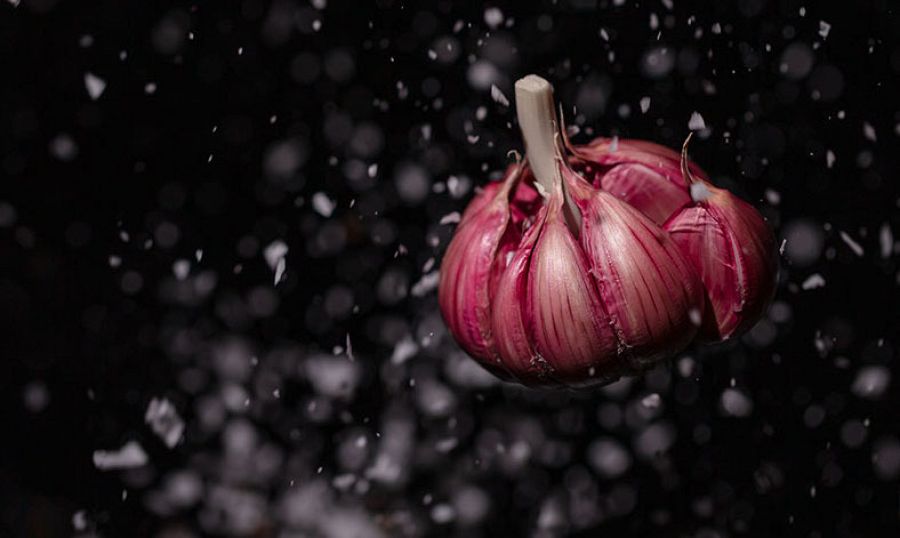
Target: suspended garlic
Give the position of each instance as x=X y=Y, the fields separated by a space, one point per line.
x=551 y=280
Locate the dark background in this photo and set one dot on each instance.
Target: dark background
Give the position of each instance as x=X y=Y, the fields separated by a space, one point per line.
x=287 y=108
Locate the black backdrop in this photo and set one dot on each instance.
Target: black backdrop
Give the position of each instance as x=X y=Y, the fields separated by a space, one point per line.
x=218 y=124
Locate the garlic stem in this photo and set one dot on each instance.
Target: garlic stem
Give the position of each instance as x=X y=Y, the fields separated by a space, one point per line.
x=540 y=129
x=537 y=119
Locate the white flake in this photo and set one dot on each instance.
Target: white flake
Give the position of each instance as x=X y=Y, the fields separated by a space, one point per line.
x=699 y=192
x=323 y=204
x=871 y=382
x=493 y=17
x=63 y=147
x=695 y=316
x=451 y=218
x=886 y=240
x=427 y=283
x=651 y=401
x=445 y=445
x=279 y=270
x=829 y=158
x=608 y=457
x=275 y=251
x=735 y=403
x=497 y=96
x=131 y=455
x=94 y=84
x=854 y=246
x=164 y=420
x=869 y=132
x=686 y=366
x=181 y=269
x=696 y=122
x=342 y=482
x=443 y=513
x=274 y=254
x=645 y=104
x=814 y=281
x=824 y=28
x=404 y=350
x=79 y=518
x=332 y=376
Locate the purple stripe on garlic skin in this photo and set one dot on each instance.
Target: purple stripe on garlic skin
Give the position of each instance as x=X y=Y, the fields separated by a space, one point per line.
x=470 y=260
x=591 y=262
x=570 y=329
x=646 y=285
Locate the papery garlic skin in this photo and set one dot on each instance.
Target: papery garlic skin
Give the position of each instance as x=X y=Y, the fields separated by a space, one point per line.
x=645 y=175
x=732 y=250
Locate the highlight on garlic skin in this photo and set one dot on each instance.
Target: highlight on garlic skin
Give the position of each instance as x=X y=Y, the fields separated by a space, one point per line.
x=552 y=280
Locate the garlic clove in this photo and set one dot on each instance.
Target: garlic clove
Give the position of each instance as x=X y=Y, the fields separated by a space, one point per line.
x=733 y=251
x=468 y=269
x=646 y=189
x=649 y=290
x=571 y=332
x=515 y=352
x=643 y=174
